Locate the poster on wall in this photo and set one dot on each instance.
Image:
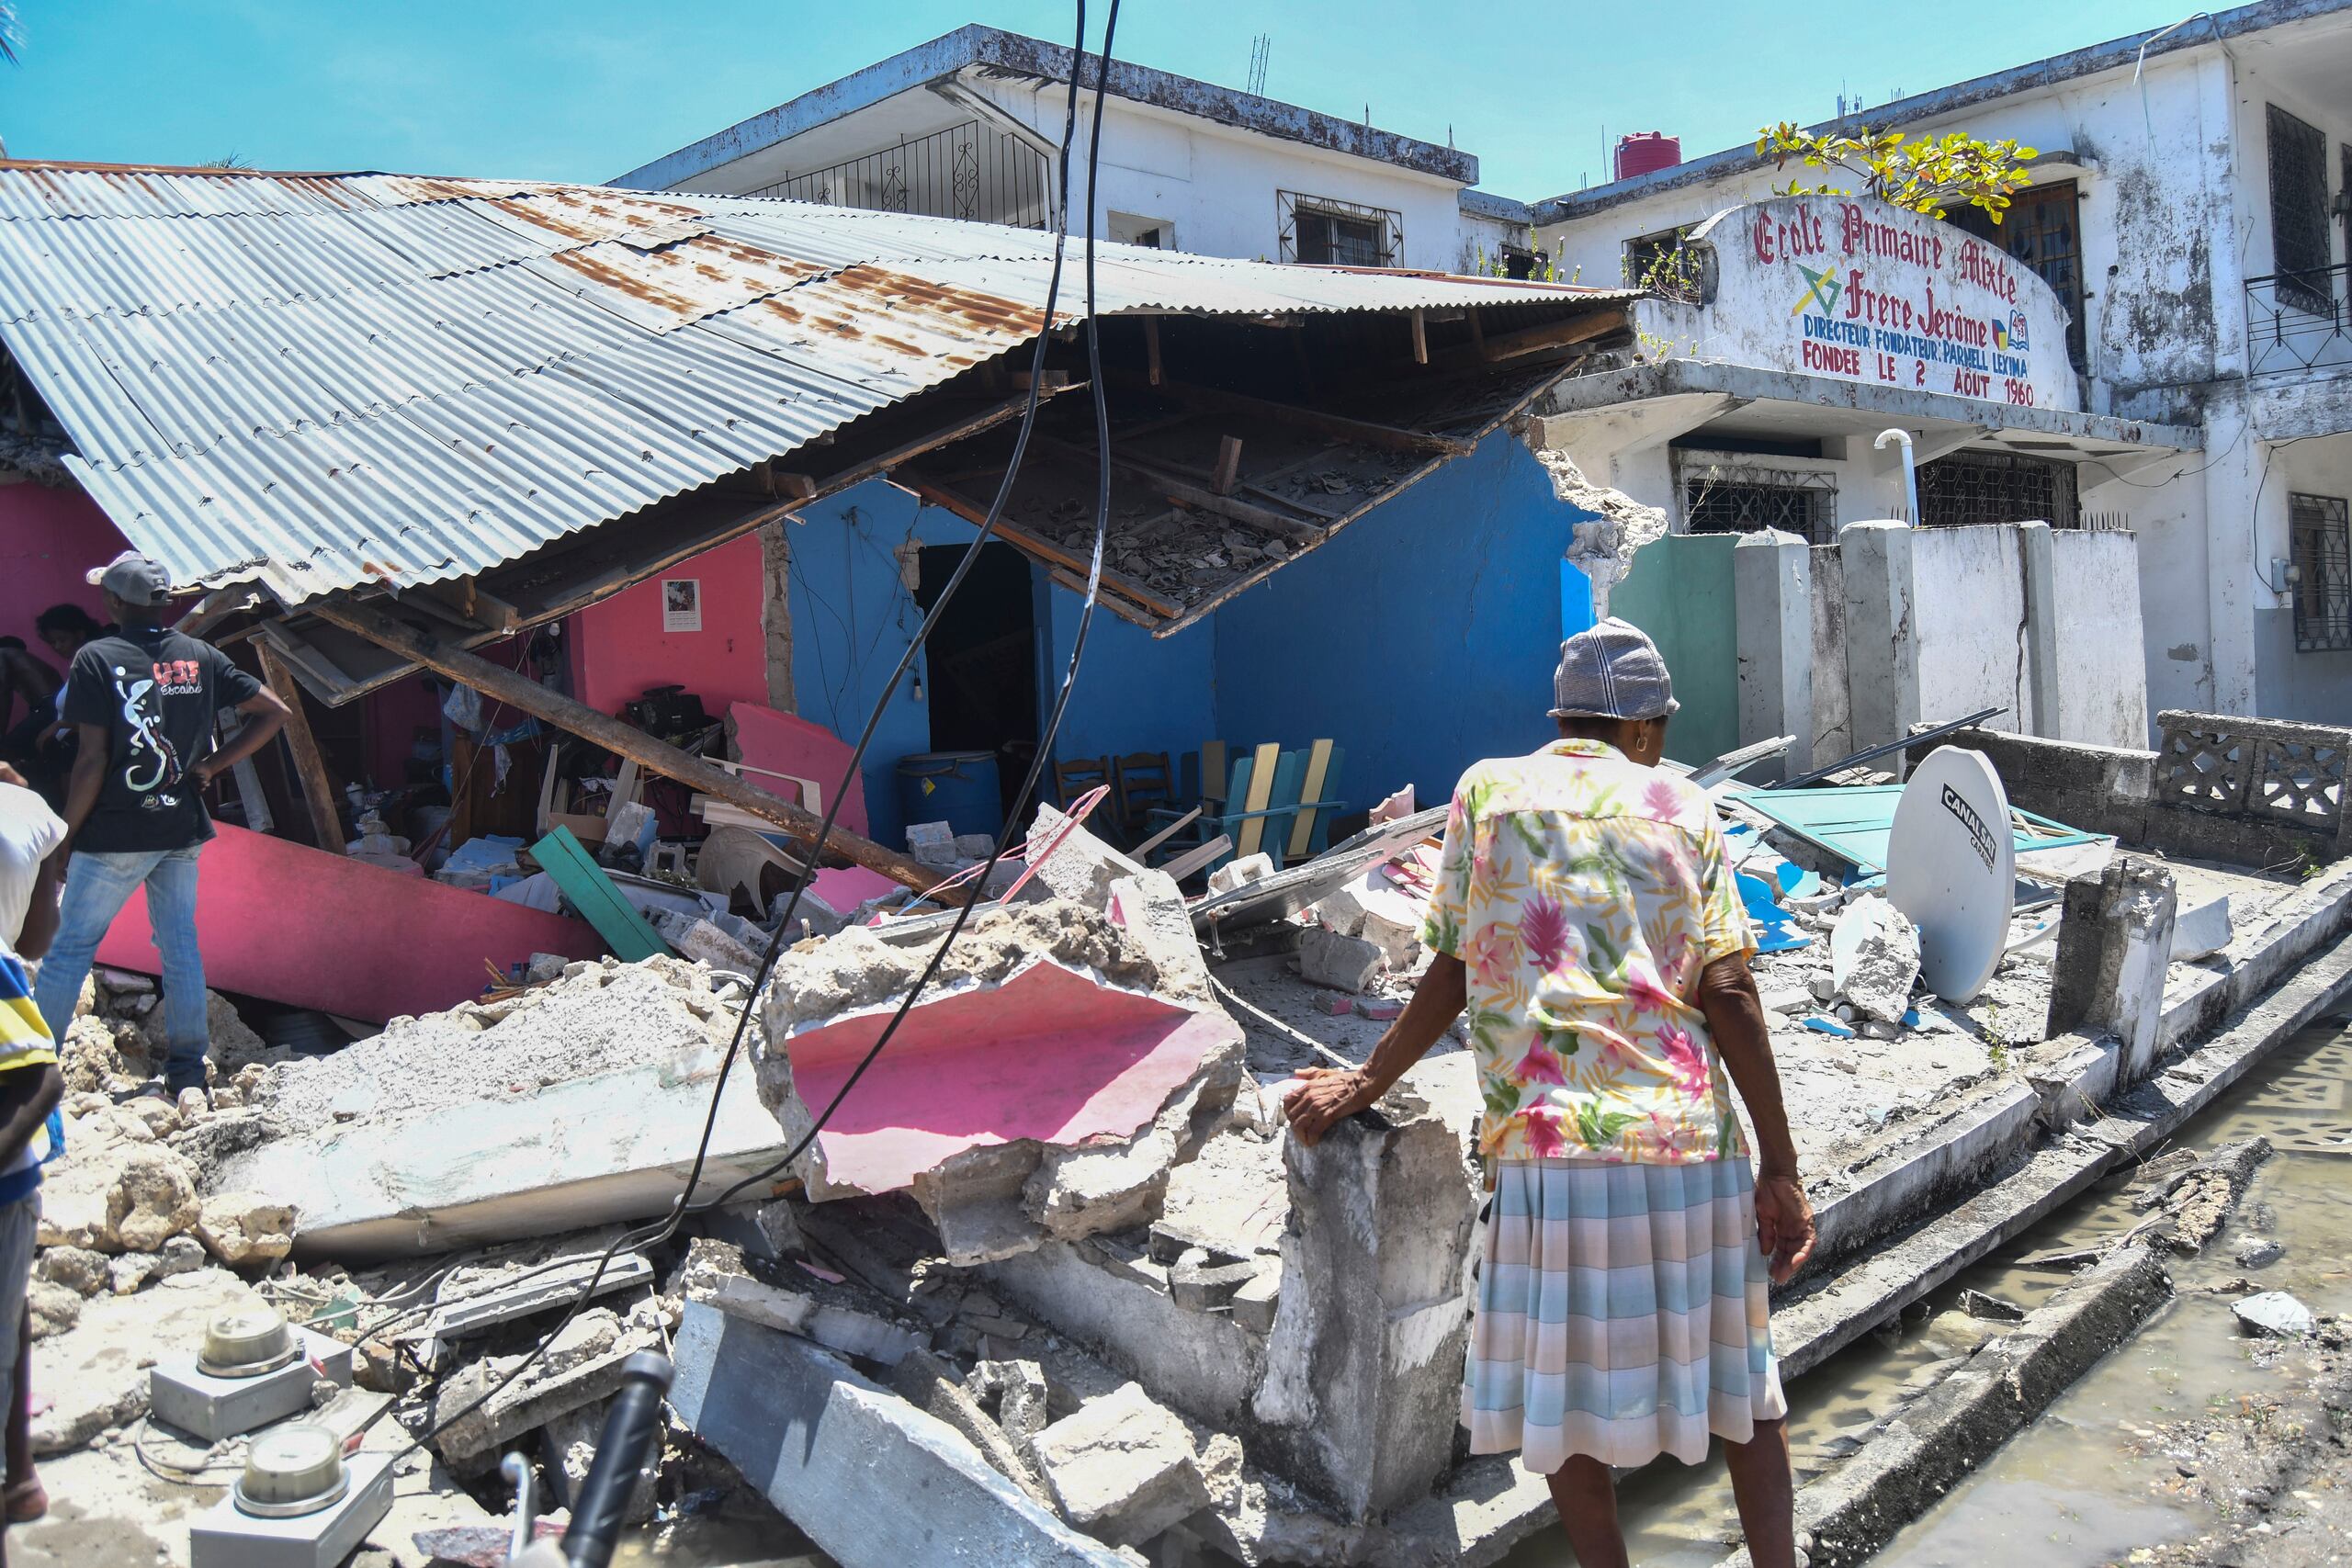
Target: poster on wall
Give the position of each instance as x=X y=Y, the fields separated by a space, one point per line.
x=681 y=603
x=1857 y=290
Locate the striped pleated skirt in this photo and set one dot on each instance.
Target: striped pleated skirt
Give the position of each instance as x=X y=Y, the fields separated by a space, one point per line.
x=1622 y=1313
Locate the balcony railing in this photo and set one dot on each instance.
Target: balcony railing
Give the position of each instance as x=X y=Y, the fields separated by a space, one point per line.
x=2301 y=320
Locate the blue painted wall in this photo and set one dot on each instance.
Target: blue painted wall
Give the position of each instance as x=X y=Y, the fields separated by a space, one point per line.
x=1421 y=638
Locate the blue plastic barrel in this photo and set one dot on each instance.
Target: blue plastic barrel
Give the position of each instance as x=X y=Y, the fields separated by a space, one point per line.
x=954 y=787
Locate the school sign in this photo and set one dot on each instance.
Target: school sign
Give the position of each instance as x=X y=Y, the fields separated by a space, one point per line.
x=1860 y=291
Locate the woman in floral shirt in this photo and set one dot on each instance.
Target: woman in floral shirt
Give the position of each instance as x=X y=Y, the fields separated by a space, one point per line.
x=1586 y=918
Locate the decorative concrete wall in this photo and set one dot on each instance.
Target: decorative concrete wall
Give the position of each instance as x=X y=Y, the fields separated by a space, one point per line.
x=1680 y=592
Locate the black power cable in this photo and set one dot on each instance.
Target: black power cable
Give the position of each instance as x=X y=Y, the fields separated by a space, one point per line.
x=662 y=1230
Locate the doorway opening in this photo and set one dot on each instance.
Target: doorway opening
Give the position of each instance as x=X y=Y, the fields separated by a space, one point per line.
x=982 y=659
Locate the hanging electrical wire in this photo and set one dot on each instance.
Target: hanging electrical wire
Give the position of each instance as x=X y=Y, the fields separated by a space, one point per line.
x=686 y=1204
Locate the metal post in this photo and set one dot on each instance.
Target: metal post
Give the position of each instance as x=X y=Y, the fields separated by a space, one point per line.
x=1910 y=470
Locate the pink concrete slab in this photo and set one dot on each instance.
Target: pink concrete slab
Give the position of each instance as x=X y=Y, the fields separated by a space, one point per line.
x=292 y=924
x=1048 y=1054
x=788 y=744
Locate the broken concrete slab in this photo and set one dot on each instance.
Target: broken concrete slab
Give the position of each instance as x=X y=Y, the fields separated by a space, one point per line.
x=530 y=1401
x=1043 y=1028
x=1150 y=907
x=1343 y=963
x=2201 y=929
x=1080 y=867
x=1122 y=1467
x=874 y=1482
x=837 y=1317
x=1874 y=958
x=566 y=1106
x=930 y=1385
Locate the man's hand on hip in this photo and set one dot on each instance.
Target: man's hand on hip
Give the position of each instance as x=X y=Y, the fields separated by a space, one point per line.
x=1325 y=1096
x=1783 y=1225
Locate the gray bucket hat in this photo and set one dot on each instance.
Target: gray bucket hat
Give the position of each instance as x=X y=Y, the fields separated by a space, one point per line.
x=1611 y=669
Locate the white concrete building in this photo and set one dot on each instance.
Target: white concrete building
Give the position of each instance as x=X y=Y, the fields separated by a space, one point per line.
x=2189 y=219
x=970 y=126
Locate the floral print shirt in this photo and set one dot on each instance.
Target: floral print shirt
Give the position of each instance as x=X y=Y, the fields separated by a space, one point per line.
x=1584 y=893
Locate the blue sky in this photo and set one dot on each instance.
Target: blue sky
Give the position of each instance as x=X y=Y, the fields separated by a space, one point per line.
x=587 y=89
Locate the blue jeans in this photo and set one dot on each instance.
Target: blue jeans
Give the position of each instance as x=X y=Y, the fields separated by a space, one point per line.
x=96 y=888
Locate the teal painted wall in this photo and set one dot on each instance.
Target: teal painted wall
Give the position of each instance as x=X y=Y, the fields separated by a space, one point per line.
x=1679 y=590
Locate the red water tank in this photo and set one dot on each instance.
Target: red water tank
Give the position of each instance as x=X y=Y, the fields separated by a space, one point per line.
x=1645 y=151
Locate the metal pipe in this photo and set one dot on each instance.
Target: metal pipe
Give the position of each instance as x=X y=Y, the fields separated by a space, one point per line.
x=1910 y=470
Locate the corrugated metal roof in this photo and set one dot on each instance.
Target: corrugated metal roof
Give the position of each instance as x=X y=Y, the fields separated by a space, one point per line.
x=321 y=380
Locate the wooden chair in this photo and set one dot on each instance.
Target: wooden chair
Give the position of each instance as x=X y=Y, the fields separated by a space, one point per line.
x=1257 y=809
x=1143 y=781
x=1075 y=777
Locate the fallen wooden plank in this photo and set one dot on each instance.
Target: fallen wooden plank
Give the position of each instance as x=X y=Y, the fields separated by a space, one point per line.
x=592 y=893
x=575 y=718
x=1190 y=861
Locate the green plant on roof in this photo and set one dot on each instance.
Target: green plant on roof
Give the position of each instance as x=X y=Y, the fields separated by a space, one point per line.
x=1928 y=176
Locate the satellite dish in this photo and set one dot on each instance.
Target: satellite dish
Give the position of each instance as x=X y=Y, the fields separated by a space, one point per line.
x=1951 y=867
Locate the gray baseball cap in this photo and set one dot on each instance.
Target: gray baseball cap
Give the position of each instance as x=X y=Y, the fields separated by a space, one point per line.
x=1611 y=669
x=133 y=579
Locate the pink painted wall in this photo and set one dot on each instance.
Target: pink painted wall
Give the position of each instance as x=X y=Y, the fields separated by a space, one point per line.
x=287 y=923
x=47 y=539
x=619 y=648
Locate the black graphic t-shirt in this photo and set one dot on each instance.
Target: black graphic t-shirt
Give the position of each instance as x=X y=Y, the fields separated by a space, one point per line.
x=157 y=694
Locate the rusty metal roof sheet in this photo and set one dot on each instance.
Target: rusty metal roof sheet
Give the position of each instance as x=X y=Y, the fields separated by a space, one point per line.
x=320 y=381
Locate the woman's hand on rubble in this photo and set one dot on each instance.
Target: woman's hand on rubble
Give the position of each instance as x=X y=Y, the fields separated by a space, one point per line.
x=1323 y=1096
x=1783 y=1225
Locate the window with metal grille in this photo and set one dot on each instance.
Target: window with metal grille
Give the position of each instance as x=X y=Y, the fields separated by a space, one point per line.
x=965 y=171
x=1971 y=488
x=1662 y=264
x=1747 y=498
x=2299 y=237
x=2322 y=538
x=1329 y=232
x=2042 y=228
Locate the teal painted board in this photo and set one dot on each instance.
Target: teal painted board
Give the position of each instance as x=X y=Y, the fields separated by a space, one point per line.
x=582 y=881
x=1679 y=590
x=1853 y=821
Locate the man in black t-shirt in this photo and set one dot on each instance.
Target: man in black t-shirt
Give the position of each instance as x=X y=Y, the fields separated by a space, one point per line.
x=143 y=702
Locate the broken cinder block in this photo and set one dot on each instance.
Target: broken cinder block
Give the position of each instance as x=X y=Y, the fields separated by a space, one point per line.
x=1342 y=963
x=1122 y=1469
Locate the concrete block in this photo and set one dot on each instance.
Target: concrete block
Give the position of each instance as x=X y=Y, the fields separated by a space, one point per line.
x=202 y=1405
x=1333 y=1004
x=1082 y=866
x=1362 y=1392
x=1882 y=645
x=932 y=841
x=2114 y=945
x=1242 y=871
x=1151 y=908
x=1204 y=1286
x=1772 y=617
x=1343 y=963
x=1380 y=1009
x=874 y=1482
x=1255 y=1303
x=1123 y=1468
x=222 y=1537
x=2201 y=930
x=1016 y=1394
x=1874 y=958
